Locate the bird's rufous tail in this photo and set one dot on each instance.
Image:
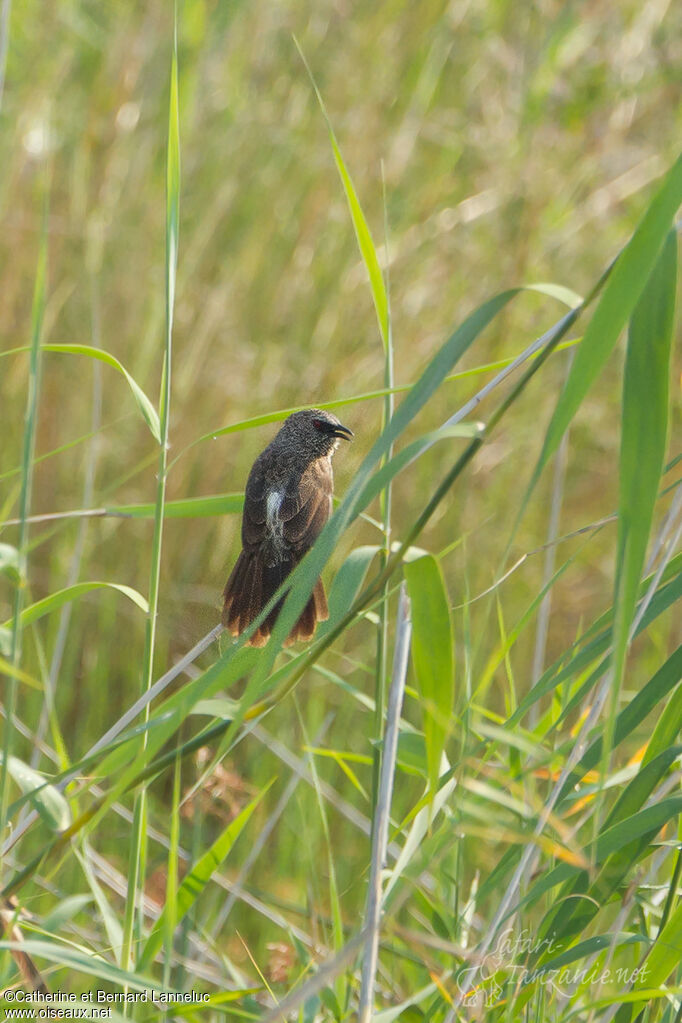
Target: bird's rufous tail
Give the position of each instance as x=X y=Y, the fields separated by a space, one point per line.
x=248 y=590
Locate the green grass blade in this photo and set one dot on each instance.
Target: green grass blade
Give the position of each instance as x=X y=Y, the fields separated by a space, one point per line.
x=171 y=909
x=138 y=844
x=432 y=655
x=78 y=961
x=667 y=676
x=596 y=642
x=643 y=444
x=347 y=583
x=10 y=562
x=149 y=413
x=410 y=453
x=195 y=881
x=279 y=414
x=664 y=957
x=46 y=799
x=107 y=914
x=56 y=600
x=362 y=232
x=573 y=913
x=184 y=508
x=30 y=418
x=625 y=285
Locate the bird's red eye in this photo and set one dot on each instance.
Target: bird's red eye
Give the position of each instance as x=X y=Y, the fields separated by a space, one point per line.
x=319 y=424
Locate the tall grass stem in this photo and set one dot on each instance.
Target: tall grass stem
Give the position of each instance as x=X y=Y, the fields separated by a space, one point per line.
x=383 y=807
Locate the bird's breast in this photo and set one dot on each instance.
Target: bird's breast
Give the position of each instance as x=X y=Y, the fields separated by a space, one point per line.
x=273 y=521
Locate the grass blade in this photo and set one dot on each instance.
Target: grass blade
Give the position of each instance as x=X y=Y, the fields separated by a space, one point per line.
x=149 y=413
x=47 y=800
x=138 y=844
x=56 y=600
x=433 y=655
x=642 y=453
x=78 y=961
x=184 y=508
x=197 y=878
x=625 y=285
x=383 y=807
x=664 y=957
x=362 y=232
x=37 y=314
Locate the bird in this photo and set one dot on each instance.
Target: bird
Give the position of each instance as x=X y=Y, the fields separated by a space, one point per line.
x=288 y=499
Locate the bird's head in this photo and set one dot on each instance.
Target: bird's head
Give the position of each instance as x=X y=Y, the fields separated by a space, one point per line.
x=318 y=431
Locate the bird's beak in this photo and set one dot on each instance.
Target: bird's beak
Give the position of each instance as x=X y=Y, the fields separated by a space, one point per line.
x=342 y=431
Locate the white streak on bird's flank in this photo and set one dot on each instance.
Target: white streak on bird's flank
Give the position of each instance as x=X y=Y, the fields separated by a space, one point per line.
x=273 y=523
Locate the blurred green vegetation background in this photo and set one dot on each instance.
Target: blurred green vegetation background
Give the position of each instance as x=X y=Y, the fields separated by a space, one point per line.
x=515 y=143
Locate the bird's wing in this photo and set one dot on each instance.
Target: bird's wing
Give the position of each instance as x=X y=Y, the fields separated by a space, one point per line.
x=255 y=508
x=305 y=510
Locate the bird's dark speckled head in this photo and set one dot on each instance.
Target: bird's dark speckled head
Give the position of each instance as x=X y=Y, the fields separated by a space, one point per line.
x=316 y=430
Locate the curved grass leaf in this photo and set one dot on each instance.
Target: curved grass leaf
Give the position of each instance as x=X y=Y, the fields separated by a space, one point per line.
x=218 y=707
x=56 y=600
x=184 y=508
x=145 y=406
x=432 y=655
x=419 y=829
x=667 y=728
x=64 y=912
x=45 y=798
x=561 y=293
